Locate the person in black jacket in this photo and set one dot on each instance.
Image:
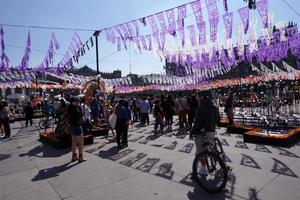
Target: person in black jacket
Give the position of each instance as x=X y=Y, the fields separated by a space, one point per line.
x=75 y=118
x=28 y=110
x=206 y=119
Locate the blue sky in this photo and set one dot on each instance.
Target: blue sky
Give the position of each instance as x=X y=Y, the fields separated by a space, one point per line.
x=96 y=14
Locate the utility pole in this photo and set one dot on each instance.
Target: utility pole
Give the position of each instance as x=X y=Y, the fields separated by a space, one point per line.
x=96 y=34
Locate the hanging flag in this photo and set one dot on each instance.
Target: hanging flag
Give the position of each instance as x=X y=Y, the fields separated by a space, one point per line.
x=55 y=41
x=180 y=23
x=136 y=26
x=143 y=41
x=162 y=40
x=225 y=5
x=137 y=42
x=171 y=22
x=78 y=38
x=108 y=37
x=24 y=63
x=153 y=24
x=92 y=41
x=130 y=31
x=244 y=14
x=161 y=21
x=119 y=43
x=143 y=21
x=196 y=7
x=213 y=17
x=192 y=34
x=228 y=21
x=149 y=42
x=262 y=8
x=112 y=35
x=202 y=33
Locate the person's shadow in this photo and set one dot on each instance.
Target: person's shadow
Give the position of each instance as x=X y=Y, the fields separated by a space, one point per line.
x=199 y=193
x=53 y=171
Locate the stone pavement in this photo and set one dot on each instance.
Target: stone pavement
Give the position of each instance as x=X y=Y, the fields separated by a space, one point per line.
x=150 y=168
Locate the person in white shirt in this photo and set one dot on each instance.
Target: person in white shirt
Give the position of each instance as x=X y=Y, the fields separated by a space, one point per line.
x=86 y=111
x=181 y=107
x=144 y=109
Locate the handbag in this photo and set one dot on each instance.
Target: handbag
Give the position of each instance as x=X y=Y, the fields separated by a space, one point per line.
x=112 y=120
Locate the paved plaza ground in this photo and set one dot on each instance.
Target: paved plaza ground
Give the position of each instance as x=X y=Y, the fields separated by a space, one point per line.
x=150 y=168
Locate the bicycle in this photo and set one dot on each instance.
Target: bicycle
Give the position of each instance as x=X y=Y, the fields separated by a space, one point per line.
x=209 y=167
x=46 y=123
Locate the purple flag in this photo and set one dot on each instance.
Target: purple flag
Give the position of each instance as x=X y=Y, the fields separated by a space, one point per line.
x=192 y=34
x=228 y=18
x=112 y=35
x=136 y=26
x=149 y=42
x=196 y=7
x=119 y=43
x=125 y=32
x=244 y=13
x=202 y=33
x=153 y=24
x=161 y=21
x=56 y=43
x=225 y=5
x=143 y=41
x=130 y=31
x=262 y=7
x=162 y=40
x=156 y=38
x=24 y=63
x=107 y=33
x=171 y=22
x=78 y=38
x=213 y=16
x=181 y=16
x=137 y=42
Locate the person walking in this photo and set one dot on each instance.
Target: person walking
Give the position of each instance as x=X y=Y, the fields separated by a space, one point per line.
x=192 y=106
x=144 y=109
x=4 y=115
x=123 y=116
x=28 y=111
x=181 y=107
x=169 y=111
x=229 y=108
x=158 y=115
x=75 y=118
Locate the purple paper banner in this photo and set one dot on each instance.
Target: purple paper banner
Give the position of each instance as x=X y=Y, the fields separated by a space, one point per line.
x=162 y=40
x=130 y=31
x=56 y=43
x=225 y=5
x=161 y=21
x=196 y=7
x=137 y=42
x=262 y=8
x=228 y=20
x=244 y=14
x=202 y=33
x=112 y=35
x=149 y=42
x=213 y=16
x=24 y=63
x=171 y=22
x=156 y=38
x=143 y=41
x=4 y=58
x=136 y=26
x=192 y=34
x=108 y=37
x=119 y=43
x=181 y=16
x=153 y=24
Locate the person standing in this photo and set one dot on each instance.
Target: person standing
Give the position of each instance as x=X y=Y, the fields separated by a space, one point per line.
x=4 y=115
x=75 y=118
x=158 y=115
x=229 y=108
x=169 y=111
x=181 y=107
x=192 y=106
x=123 y=116
x=28 y=114
x=144 y=109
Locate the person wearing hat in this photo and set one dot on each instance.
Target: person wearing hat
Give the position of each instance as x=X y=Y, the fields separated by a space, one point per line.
x=75 y=118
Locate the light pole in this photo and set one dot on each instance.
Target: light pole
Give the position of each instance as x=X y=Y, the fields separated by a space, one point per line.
x=96 y=34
